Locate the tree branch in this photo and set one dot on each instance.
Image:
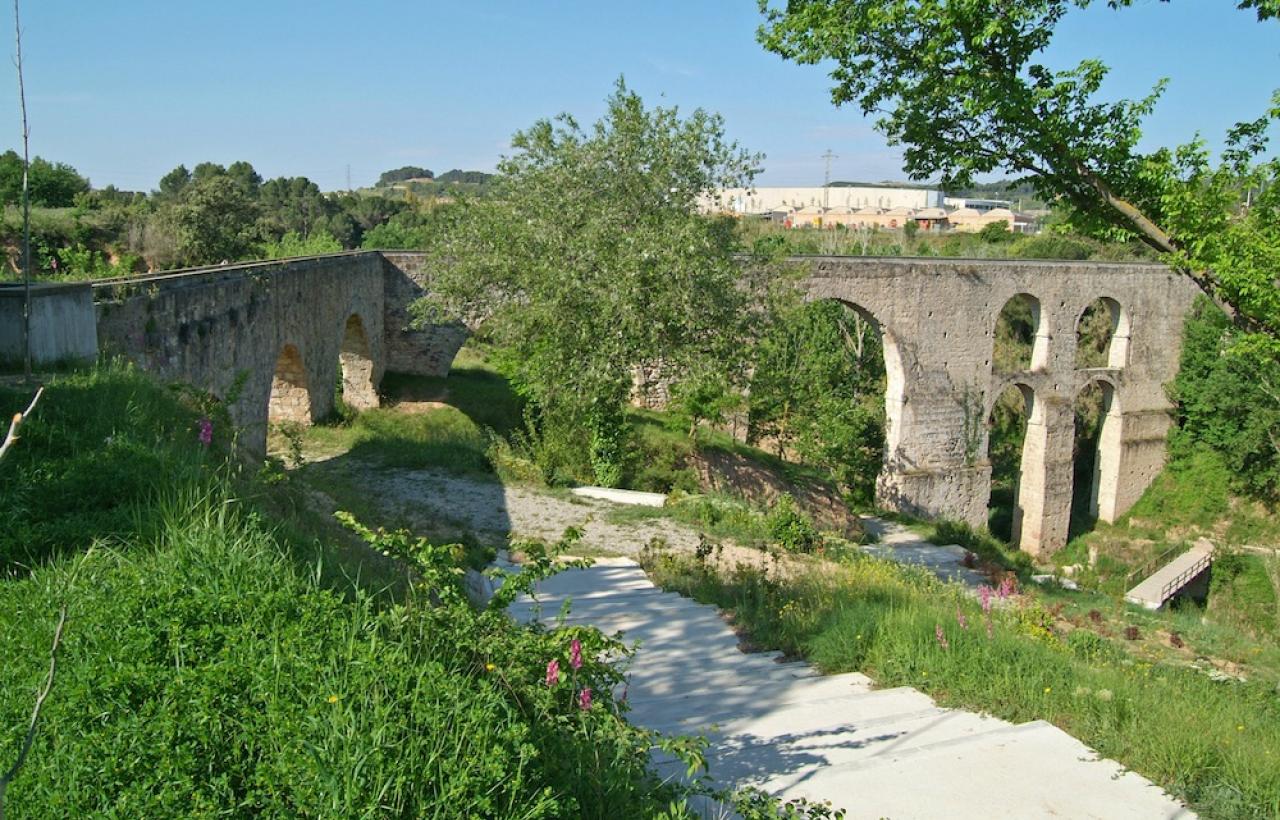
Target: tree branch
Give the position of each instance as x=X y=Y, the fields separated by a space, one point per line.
x=18 y=419
x=35 y=712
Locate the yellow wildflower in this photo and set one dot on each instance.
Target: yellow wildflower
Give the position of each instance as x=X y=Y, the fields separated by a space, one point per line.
x=489 y=667
x=333 y=698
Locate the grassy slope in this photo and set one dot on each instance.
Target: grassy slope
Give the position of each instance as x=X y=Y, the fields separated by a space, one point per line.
x=212 y=663
x=1215 y=744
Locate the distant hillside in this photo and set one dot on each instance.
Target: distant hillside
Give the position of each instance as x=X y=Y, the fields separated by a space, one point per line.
x=1022 y=194
x=457 y=175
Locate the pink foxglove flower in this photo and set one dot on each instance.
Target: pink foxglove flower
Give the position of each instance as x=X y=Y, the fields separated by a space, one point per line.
x=553 y=672
x=960 y=619
x=575 y=654
x=206 y=431
x=942 y=638
x=584 y=699
x=984 y=594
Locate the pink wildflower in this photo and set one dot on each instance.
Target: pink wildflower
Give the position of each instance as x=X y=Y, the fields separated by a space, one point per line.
x=575 y=654
x=942 y=638
x=553 y=672
x=984 y=594
x=584 y=699
x=206 y=431
x=960 y=619
x=1007 y=587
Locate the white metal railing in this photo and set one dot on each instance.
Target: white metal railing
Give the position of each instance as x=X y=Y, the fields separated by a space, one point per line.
x=1183 y=578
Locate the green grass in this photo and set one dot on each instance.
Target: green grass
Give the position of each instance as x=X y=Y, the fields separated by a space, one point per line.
x=445 y=438
x=713 y=514
x=211 y=664
x=1216 y=745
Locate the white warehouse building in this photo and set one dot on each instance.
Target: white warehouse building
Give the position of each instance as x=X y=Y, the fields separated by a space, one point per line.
x=764 y=200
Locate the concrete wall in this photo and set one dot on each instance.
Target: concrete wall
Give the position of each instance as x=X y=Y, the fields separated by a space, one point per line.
x=938 y=320
x=61 y=323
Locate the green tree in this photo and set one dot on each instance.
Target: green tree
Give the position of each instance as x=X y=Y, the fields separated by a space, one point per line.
x=590 y=259
x=401 y=174
x=958 y=85
x=293 y=244
x=215 y=221
x=293 y=204
x=174 y=183
x=50 y=184
x=818 y=389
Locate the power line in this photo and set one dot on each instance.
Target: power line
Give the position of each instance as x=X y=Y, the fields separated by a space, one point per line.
x=826 y=179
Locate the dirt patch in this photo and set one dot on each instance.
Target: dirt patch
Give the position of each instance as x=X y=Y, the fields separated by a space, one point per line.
x=737 y=475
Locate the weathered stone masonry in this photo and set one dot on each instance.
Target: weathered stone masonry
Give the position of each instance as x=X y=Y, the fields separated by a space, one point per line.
x=277 y=336
x=938 y=319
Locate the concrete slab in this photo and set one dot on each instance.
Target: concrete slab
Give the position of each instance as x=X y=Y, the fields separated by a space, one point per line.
x=874 y=753
x=621 y=496
x=1030 y=771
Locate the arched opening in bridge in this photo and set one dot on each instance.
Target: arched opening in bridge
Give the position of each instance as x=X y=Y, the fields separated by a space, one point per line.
x=290 y=398
x=356 y=383
x=1102 y=335
x=1095 y=457
x=1021 y=340
x=828 y=389
x=1006 y=444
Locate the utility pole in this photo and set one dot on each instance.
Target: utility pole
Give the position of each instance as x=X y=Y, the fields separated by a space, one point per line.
x=26 y=206
x=348 y=177
x=826 y=180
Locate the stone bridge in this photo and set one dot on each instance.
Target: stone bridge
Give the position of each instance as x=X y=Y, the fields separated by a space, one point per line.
x=277 y=339
x=937 y=319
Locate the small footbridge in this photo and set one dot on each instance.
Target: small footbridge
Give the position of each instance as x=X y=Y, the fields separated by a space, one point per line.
x=1167 y=581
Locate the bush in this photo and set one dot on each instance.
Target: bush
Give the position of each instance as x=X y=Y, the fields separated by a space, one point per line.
x=1053 y=246
x=790 y=528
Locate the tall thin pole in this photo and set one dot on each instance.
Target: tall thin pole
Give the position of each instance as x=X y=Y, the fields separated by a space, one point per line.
x=826 y=177
x=26 y=206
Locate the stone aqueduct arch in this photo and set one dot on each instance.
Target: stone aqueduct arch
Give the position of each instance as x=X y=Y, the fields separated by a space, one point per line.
x=293 y=328
x=938 y=318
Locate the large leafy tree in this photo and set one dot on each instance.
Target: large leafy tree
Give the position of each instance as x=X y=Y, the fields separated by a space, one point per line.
x=818 y=389
x=50 y=184
x=215 y=220
x=590 y=259
x=958 y=84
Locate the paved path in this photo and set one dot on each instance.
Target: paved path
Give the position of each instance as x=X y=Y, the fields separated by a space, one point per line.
x=887 y=753
x=896 y=542
x=1165 y=582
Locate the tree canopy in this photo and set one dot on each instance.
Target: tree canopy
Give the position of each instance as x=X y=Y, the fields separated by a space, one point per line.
x=590 y=259
x=958 y=84
x=401 y=174
x=49 y=184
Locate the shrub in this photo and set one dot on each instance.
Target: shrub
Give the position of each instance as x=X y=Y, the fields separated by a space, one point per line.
x=789 y=527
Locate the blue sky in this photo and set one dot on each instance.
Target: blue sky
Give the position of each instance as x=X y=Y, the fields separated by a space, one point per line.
x=126 y=90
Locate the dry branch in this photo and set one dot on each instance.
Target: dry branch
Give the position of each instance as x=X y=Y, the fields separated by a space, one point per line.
x=35 y=712
x=18 y=419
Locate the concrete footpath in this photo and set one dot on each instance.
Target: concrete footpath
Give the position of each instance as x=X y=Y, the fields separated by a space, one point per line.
x=876 y=753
